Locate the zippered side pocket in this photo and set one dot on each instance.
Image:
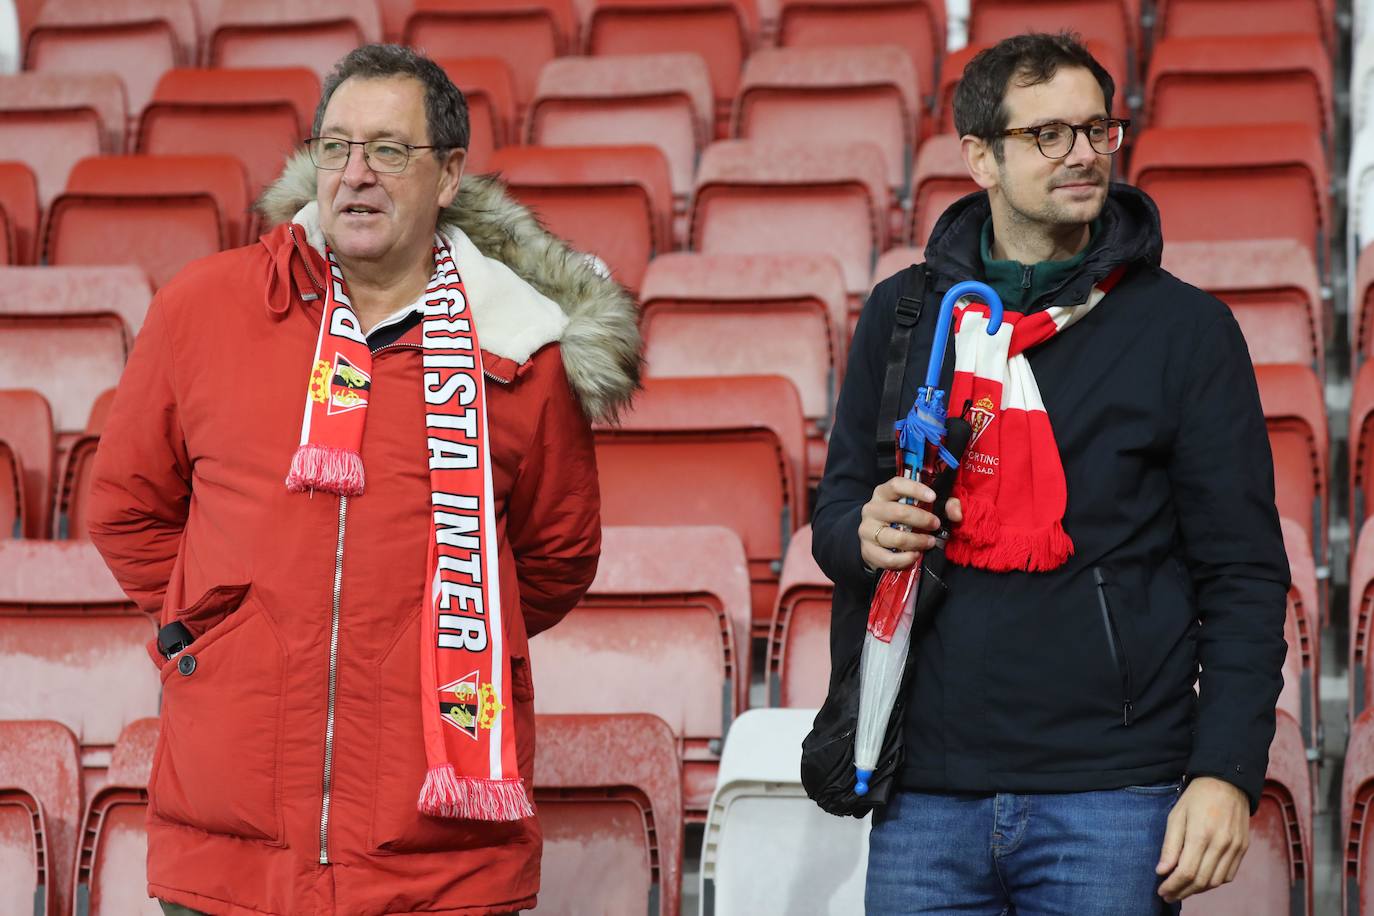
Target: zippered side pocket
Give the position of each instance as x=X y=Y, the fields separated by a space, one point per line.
x=1123 y=666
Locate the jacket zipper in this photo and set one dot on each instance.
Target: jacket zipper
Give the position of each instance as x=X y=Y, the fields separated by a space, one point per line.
x=411 y=346
x=1114 y=642
x=333 y=682
x=291 y=231
x=1027 y=273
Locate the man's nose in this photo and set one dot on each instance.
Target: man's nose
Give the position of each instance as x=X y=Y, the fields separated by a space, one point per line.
x=1082 y=154
x=356 y=171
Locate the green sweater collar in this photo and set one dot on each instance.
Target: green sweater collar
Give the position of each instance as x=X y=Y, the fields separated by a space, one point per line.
x=1022 y=285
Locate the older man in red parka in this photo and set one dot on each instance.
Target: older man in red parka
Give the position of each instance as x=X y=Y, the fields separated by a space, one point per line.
x=350 y=469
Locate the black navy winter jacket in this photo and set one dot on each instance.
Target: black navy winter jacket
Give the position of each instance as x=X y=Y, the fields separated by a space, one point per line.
x=1083 y=678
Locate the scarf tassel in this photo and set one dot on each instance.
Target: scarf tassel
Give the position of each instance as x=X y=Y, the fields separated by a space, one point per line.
x=325 y=468
x=985 y=542
x=446 y=794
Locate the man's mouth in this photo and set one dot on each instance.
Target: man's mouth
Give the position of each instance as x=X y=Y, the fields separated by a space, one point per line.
x=360 y=210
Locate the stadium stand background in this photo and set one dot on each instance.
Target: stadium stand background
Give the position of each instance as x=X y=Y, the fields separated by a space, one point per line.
x=748 y=169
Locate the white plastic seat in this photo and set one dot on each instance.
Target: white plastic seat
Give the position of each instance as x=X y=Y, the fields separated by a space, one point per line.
x=767 y=848
x=1359 y=226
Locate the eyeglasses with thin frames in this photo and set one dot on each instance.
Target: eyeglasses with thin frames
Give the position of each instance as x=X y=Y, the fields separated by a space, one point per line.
x=1056 y=139
x=380 y=155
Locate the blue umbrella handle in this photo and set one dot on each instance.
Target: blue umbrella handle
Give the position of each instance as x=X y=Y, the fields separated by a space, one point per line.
x=957 y=292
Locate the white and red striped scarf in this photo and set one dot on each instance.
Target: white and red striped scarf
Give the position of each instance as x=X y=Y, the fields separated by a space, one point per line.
x=1011 y=480
x=464 y=667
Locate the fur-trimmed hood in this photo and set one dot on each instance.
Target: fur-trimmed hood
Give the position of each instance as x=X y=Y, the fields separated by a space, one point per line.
x=538 y=290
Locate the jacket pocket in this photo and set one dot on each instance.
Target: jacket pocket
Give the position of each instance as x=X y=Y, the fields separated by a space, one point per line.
x=219 y=751
x=400 y=765
x=1114 y=645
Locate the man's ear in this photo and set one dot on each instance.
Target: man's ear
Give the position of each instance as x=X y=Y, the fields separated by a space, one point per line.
x=979 y=160
x=451 y=176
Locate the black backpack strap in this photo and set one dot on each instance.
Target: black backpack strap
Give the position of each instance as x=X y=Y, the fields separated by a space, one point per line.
x=908 y=314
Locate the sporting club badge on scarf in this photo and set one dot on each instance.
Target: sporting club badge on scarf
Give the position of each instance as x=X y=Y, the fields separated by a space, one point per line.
x=464 y=668
x=1011 y=483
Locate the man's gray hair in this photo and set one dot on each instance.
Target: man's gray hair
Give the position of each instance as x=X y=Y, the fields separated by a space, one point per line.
x=446 y=111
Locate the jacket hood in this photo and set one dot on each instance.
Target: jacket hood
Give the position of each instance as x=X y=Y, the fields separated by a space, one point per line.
x=543 y=291
x=1129 y=234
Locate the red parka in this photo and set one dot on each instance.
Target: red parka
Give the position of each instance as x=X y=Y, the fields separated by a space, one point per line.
x=290 y=758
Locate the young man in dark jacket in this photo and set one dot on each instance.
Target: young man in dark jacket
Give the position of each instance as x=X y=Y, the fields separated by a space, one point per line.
x=1116 y=540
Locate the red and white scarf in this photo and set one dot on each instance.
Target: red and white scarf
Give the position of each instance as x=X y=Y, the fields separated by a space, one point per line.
x=465 y=671
x=1011 y=480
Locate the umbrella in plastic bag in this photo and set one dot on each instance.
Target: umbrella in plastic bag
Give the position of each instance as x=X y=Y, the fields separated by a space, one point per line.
x=928 y=449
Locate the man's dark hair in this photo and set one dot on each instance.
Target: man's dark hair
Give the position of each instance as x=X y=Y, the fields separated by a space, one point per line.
x=1031 y=59
x=446 y=111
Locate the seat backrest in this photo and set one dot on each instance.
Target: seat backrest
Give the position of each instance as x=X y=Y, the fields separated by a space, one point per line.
x=614 y=202
x=917 y=25
x=168 y=210
x=118 y=292
x=1272 y=288
x=941 y=178
x=1295 y=415
x=1362 y=445
x=610 y=805
x=291 y=33
x=799 y=640
x=13 y=504
x=40 y=814
x=870 y=92
x=1112 y=22
x=50 y=121
x=1255 y=181
x=663 y=99
x=755 y=198
x=114 y=841
x=1362 y=304
x=137 y=39
x=721 y=31
x=526 y=34
x=1210 y=80
x=19 y=207
x=489 y=88
x=1190 y=18
x=26 y=428
x=1357 y=793
x=729 y=314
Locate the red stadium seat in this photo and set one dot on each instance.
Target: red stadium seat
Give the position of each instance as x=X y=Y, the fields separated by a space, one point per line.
x=662 y=99
x=1236 y=182
x=50 y=121
x=917 y=25
x=720 y=315
x=721 y=31
x=1194 y=18
x=13 y=502
x=1295 y=414
x=799 y=640
x=1357 y=791
x=71 y=647
x=611 y=810
x=1272 y=288
x=941 y=179
x=1198 y=82
x=18 y=211
x=26 y=433
x=1275 y=878
x=870 y=93
x=526 y=34
x=1300 y=697
x=615 y=202
x=1361 y=621
x=756 y=198
x=1362 y=304
x=168 y=210
x=489 y=88
x=1111 y=57
x=40 y=813
x=78 y=470
x=895 y=259
x=1362 y=445
x=734 y=449
x=291 y=33
x=110 y=876
x=258 y=116
x=666 y=626
x=137 y=39
x=1111 y=22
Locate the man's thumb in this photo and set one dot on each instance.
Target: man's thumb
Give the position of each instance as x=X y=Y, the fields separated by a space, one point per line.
x=1173 y=843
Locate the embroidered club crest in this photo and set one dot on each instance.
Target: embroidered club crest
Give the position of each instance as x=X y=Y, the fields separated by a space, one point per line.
x=980 y=416
x=467 y=705
x=348 y=386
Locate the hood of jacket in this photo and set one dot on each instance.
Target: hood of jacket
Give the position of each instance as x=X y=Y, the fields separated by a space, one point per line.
x=527 y=288
x=1129 y=234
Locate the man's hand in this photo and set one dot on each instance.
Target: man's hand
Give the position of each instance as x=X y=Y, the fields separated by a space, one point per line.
x=1207 y=836
x=884 y=547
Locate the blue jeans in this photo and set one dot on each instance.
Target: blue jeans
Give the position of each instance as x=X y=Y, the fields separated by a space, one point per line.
x=1028 y=855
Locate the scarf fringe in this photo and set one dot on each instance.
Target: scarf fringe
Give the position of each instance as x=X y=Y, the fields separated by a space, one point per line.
x=446 y=794
x=984 y=542
x=325 y=468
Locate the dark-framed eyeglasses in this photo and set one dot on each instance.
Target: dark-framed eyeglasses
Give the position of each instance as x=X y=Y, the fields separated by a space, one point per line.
x=380 y=155
x=1055 y=140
